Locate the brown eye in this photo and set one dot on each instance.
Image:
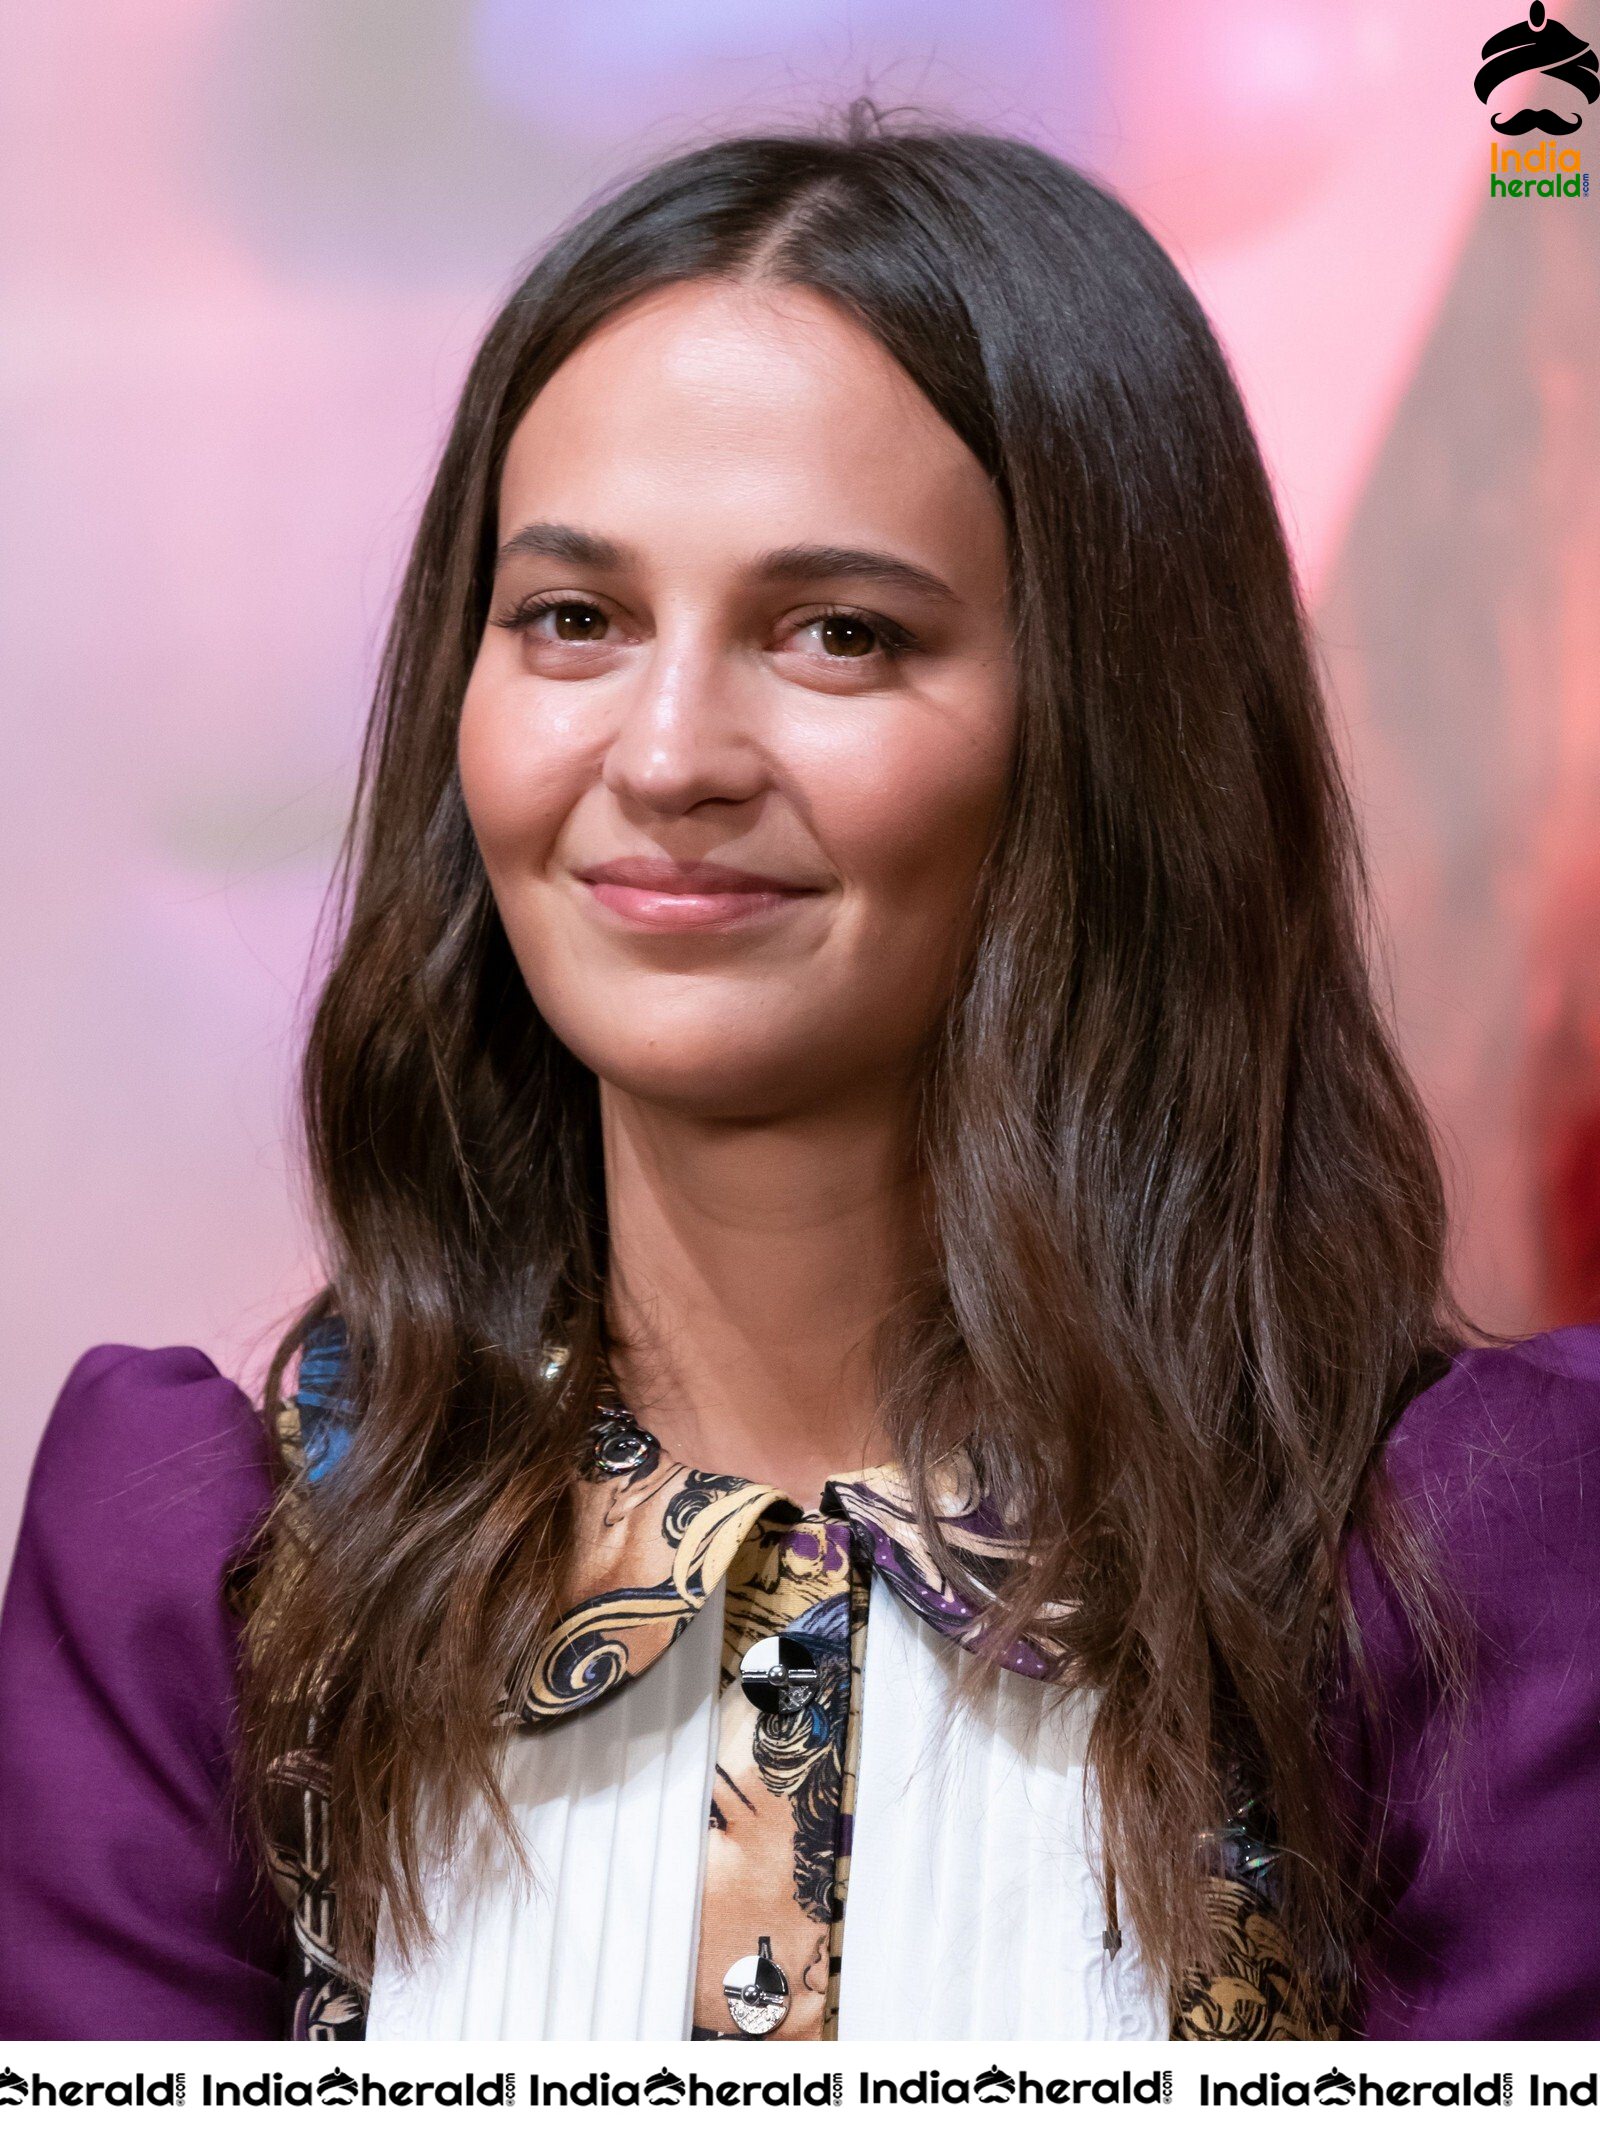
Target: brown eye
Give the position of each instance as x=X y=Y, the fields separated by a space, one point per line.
x=847 y=637
x=577 y=622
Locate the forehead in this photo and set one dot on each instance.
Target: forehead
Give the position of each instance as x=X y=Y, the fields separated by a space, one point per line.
x=715 y=402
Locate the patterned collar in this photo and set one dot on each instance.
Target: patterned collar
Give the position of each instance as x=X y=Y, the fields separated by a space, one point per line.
x=655 y=1538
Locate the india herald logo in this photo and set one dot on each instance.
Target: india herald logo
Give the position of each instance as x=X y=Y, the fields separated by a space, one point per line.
x=1542 y=46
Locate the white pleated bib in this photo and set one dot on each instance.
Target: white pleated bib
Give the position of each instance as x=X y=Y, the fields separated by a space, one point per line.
x=974 y=1908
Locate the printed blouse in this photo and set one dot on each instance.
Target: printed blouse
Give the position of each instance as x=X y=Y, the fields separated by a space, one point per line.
x=763 y=1881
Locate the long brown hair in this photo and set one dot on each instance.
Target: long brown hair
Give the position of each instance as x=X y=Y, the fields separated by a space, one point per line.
x=1191 y=1225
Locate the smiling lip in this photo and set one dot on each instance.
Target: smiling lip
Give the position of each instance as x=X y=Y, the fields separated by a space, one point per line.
x=669 y=895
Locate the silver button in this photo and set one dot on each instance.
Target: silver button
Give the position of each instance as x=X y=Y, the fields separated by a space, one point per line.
x=779 y=1674
x=620 y=1447
x=757 y=1992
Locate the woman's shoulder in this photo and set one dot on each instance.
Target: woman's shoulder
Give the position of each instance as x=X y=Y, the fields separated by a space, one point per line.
x=148 y=1442
x=115 y=1392
x=136 y=1906
x=1496 y=1470
x=151 y=1479
x=1538 y=1398
x=1497 y=1461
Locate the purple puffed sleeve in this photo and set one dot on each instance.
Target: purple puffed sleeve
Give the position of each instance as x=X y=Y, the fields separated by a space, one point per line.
x=130 y=1906
x=1489 y=1916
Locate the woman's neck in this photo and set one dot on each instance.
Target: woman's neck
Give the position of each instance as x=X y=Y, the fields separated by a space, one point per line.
x=751 y=1265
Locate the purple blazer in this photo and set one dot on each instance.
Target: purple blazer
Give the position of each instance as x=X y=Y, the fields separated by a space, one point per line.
x=131 y=1909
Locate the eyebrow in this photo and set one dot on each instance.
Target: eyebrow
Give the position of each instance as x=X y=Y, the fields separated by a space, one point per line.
x=562 y=544
x=785 y=565
x=782 y=566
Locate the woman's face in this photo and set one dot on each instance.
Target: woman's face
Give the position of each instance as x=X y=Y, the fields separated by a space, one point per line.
x=738 y=731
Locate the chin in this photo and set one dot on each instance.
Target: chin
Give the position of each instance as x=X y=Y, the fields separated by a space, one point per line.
x=714 y=1087
x=717 y=1071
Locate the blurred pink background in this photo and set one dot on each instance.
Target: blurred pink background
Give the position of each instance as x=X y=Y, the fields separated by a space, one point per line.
x=248 y=247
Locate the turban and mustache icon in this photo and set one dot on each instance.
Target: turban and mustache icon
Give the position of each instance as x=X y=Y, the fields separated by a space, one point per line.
x=1550 y=47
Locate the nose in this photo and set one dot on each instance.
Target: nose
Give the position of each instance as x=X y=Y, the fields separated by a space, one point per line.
x=686 y=727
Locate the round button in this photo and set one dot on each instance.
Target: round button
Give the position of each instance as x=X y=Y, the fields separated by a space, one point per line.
x=757 y=1992
x=620 y=1447
x=779 y=1674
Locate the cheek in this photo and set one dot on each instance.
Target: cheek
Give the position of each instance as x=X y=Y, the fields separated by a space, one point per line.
x=518 y=772
x=909 y=820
